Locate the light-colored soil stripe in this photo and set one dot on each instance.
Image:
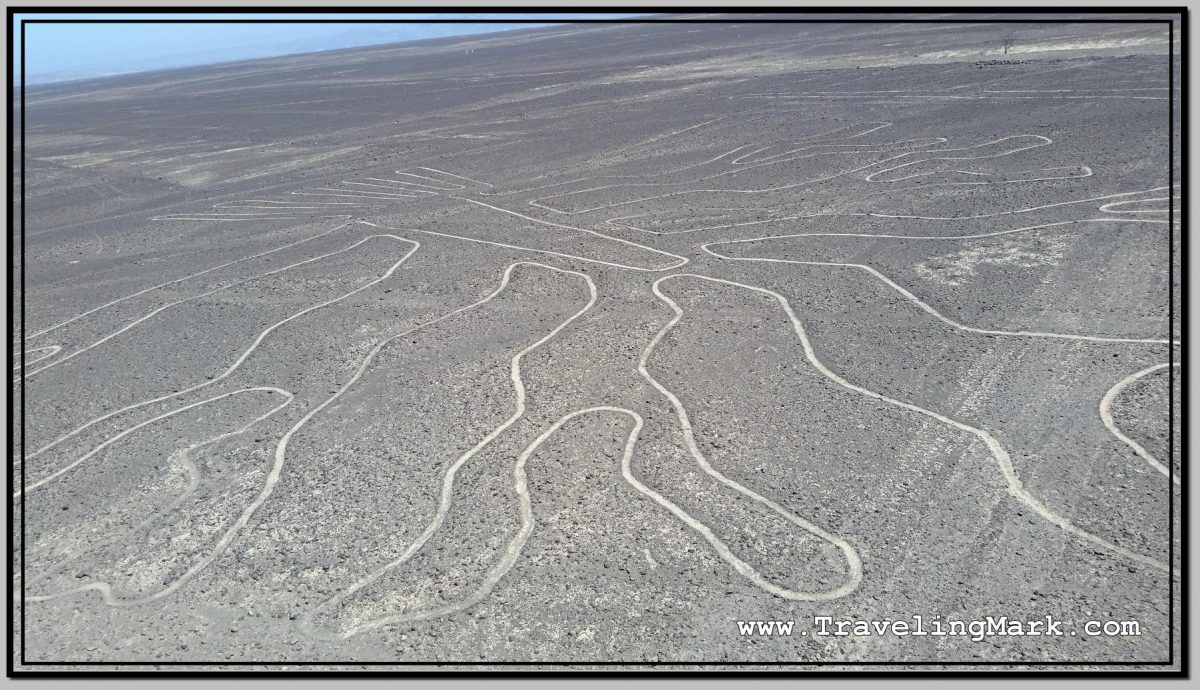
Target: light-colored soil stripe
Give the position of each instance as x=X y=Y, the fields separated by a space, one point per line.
x=105 y=588
x=180 y=280
x=451 y=473
x=1106 y=416
x=925 y=306
x=1003 y=460
x=171 y=305
x=242 y=358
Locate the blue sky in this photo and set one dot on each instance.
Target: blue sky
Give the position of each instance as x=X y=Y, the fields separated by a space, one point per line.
x=59 y=52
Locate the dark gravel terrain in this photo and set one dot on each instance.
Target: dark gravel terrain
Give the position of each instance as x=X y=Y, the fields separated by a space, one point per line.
x=586 y=343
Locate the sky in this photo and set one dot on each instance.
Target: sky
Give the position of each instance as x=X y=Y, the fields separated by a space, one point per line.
x=80 y=50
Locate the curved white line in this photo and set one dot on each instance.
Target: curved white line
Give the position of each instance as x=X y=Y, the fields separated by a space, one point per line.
x=517 y=544
x=853 y=562
x=513 y=552
x=214 y=291
x=936 y=238
x=1106 y=416
x=180 y=280
x=238 y=362
x=839 y=148
x=113 y=439
x=539 y=202
x=53 y=350
x=794 y=185
x=1045 y=141
x=105 y=588
x=612 y=221
x=673 y=171
x=925 y=306
x=1003 y=460
x=182 y=460
x=1108 y=208
x=452 y=471
x=1086 y=172
x=727 y=154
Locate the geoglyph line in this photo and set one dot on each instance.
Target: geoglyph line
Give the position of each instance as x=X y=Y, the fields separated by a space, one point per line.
x=515 y=546
x=619 y=220
x=863 y=129
x=1109 y=207
x=1106 y=416
x=180 y=459
x=1003 y=460
x=924 y=306
x=528 y=522
x=426 y=188
x=355 y=193
x=214 y=291
x=180 y=280
x=525 y=190
x=935 y=238
x=450 y=174
x=274 y=203
x=113 y=439
x=105 y=588
x=1045 y=141
x=884 y=149
x=1087 y=172
x=410 y=191
x=451 y=471
x=242 y=358
x=280 y=452
x=746 y=159
x=281 y=213
x=681 y=259
x=853 y=562
x=834 y=150
x=1042 y=141
x=50 y=351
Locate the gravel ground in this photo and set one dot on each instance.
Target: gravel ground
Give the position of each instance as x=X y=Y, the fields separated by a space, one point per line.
x=583 y=344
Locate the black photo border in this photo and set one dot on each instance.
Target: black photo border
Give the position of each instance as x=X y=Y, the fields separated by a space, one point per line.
x=1023 y=15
